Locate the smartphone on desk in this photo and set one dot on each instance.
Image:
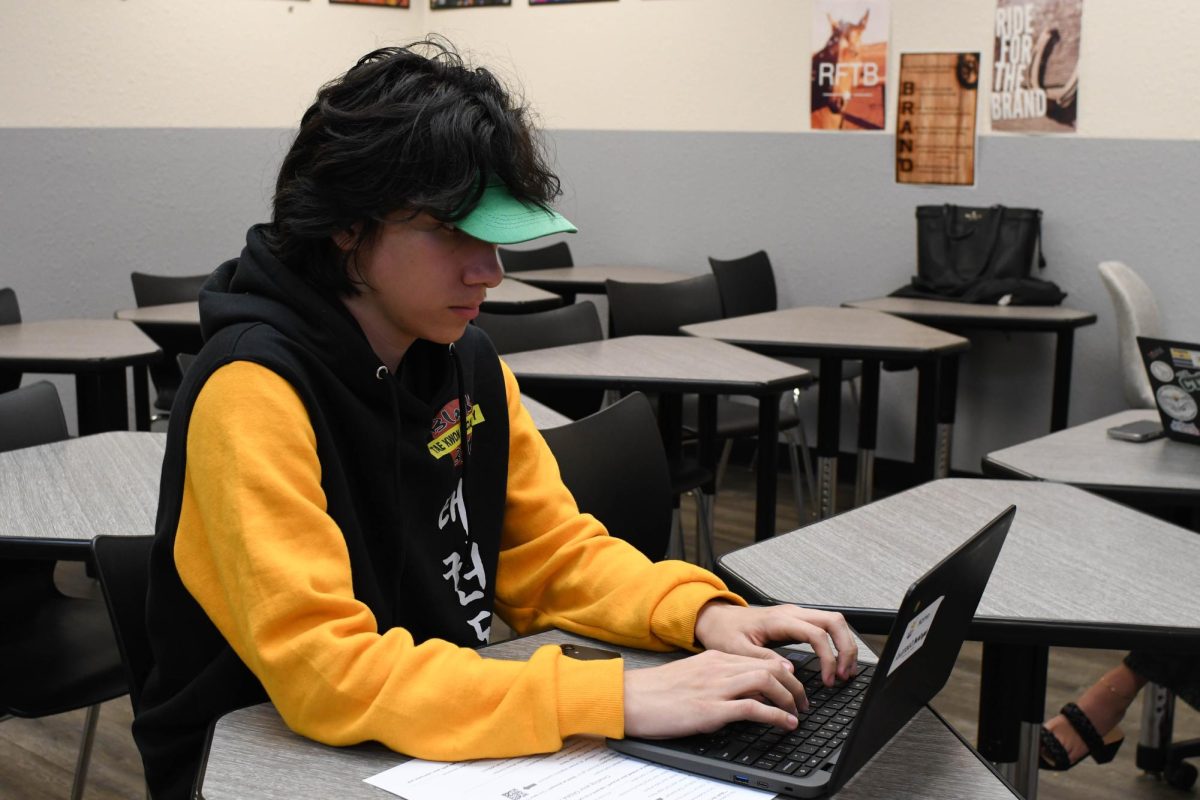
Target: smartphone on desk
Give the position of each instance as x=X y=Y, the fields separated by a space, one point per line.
x=1141 y=431
x=584 y=653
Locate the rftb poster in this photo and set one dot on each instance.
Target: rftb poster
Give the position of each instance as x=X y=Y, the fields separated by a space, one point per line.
x=1035 y=77
x=849 y=64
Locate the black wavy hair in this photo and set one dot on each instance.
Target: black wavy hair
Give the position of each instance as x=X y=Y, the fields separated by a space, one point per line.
x=410 y=129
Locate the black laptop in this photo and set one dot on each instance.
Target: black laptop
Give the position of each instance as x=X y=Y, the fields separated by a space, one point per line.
x=847 y=724
x=1174 y=372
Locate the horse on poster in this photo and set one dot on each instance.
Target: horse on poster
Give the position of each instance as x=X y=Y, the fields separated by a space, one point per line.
x=837 y=68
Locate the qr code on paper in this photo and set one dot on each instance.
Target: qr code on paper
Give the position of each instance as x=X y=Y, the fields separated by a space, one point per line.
x=515 y=794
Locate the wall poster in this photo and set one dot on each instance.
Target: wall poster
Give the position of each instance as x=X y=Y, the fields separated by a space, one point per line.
x=849 y=64
x=935 y=118
x=393 y=3
x=1035 y=82
x=437 y=5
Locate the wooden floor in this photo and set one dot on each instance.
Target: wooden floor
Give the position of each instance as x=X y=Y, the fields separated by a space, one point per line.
x=37 y=757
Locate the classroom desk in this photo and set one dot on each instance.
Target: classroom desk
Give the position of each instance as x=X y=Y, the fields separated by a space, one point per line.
x=1085 y=456
x=57 y=497
x=514 y=297
x=544 y=416
x=509 y=297
x=96 y=352
x=959 y=317
x=253 y=756
x=835 y=335
x=179 y=315
x=674 y=366
x=1077 y=570
x=571 y=281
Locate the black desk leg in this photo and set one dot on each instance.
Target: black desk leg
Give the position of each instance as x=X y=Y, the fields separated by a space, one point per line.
x=925 y=446
x=707 y=420
x=1063 y=353
x=768 y=438
x=829 y=421
x=102 y=402
x=670 y=428
x=947 y=400
x=141 y=398
x=868 y=424
x=1012 y=703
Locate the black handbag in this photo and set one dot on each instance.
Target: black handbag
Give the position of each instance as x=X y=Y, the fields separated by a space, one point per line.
x=980 y=255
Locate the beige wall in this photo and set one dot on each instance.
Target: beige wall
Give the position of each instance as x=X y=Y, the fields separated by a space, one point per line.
x=679 y=65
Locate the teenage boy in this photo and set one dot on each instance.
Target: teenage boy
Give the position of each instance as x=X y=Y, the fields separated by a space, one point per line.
x=352 y=487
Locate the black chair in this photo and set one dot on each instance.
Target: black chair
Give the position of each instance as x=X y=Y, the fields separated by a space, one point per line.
x=573 y=324
x=548 y=257
x=10 y=312
x=122 y=566
x=158 y=290
x=614 y=464
x=57 y=653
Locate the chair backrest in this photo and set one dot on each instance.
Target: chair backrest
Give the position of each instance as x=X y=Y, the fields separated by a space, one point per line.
x=552 y=255
x=659 y=309
x=513 y=333
x=123 y=568
x=10 y=312
x=746 y=284
x=614 y=464
x=158 y=290
x=1137 y=315
x=31 y=415
x=573 y=324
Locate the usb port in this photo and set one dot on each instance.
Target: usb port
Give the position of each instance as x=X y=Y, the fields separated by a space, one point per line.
x=741 y=778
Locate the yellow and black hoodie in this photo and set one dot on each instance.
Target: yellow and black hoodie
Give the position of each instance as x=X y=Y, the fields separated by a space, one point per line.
x=327 y=540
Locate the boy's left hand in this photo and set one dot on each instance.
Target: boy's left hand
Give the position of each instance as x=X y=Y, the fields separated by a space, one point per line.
x=748 y=631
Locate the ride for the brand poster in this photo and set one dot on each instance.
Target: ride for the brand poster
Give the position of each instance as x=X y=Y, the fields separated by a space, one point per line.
x=1035 y=73
x=849 y=64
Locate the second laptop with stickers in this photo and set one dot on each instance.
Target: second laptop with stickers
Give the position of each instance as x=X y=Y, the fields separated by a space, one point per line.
x=847 y=724
x=1174 y=372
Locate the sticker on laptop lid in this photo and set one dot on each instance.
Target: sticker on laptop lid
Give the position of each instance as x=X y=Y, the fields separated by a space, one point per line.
x=1185 y=427
x=915 y=634
x=1176 y=403
x=1189 y=381
x=1184 y=357
x=1162 y=370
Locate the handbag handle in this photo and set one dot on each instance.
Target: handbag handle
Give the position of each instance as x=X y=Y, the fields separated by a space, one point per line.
x=948 y=214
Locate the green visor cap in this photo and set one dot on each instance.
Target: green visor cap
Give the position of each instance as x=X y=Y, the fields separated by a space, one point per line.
x=500 y=218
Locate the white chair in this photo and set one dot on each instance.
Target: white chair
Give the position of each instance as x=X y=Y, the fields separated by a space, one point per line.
x=1137 y=315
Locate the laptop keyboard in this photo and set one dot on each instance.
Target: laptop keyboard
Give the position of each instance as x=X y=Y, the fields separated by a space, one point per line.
x=822 y=730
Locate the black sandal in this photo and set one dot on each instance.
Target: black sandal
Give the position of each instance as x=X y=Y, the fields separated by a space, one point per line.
x=1101 y=749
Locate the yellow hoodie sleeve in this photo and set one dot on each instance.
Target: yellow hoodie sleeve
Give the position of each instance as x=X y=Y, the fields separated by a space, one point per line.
x=559 y=568
x=257 y=550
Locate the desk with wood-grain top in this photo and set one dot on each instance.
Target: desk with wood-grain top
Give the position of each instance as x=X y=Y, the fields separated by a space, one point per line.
x=834 y=335
x=673 y=366
x=1077 y=570
x=1087 y=457
x=509 y=297
x=590 y=279
x=57 y=497
x=96 y=352
x=253 y=756
x=958 y=317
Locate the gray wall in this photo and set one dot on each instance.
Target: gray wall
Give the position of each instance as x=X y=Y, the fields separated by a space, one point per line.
x=81 y=208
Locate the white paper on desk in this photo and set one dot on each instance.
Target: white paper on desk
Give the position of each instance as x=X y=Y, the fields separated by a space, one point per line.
x=583 y=770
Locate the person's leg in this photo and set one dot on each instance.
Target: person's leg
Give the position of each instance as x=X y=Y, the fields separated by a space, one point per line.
x=1179 y=673
x=1104 y=703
